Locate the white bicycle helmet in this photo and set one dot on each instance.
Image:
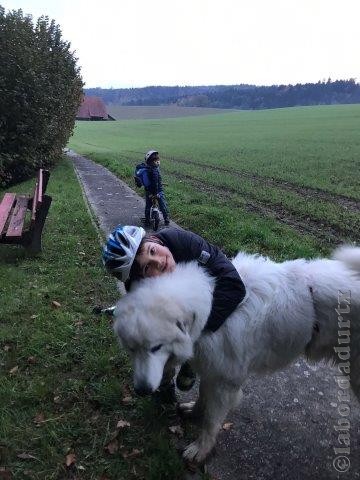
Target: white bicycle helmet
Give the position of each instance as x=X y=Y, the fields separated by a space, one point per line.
x=149 y=154
x=120 y=249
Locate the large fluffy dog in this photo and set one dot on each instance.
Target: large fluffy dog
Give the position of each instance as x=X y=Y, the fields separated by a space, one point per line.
x=291 y=308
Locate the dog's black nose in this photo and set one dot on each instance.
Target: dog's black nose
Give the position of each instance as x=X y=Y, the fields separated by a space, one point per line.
x=143 y=390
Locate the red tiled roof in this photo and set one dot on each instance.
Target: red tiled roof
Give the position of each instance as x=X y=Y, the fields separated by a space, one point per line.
x=92 y=107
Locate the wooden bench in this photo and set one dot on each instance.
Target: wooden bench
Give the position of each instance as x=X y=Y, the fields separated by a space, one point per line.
x=22 y=217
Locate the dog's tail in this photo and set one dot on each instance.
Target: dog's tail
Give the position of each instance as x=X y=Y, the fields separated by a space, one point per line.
x=349 y=255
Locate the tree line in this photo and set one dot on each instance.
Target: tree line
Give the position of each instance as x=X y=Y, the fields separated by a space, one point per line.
x=236 y=96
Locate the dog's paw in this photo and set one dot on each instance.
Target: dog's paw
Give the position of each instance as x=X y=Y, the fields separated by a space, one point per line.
x=197 y=451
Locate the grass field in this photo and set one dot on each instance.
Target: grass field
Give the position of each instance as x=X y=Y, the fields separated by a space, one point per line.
x=63 y=380
x=123 y=112
x=283 y=182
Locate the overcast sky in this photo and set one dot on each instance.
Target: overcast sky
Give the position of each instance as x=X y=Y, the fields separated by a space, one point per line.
x=135 y=43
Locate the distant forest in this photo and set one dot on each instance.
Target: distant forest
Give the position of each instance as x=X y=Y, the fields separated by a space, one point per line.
x=249 y=97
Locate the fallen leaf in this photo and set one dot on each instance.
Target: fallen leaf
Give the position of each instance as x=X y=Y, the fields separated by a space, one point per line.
x=82 y=253
x=227 y=426
x=57 y=399
x=31 y=360
x=126 y=390
x=33 y=317
x=70 y=459
x=127 y=400
x=122 y=424
x=112 y=447
x=39 y=418
x=7 y=348
x=14 y=370
x=104 y=477
x=55 y=304
x=26 y=456
x=81 y=467
x=177 y=430
x=134 y=453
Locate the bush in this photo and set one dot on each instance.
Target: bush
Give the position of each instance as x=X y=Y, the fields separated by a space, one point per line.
x=40 y=92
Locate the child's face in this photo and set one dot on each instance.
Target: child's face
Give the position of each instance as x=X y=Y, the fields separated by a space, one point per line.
x=154 y=260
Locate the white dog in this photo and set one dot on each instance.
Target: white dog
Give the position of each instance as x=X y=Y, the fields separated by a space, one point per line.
x=291 y=308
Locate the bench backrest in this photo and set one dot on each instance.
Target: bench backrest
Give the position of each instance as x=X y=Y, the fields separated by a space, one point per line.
x=40 y=188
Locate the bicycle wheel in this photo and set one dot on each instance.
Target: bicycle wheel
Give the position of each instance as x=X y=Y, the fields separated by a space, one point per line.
x=155 y=219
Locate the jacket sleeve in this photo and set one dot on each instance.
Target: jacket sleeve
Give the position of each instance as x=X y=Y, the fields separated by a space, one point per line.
x=154 y=181
x=229 y=289
x=160 y=185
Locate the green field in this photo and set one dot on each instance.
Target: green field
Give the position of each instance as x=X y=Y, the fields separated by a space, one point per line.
x=124 y=112
x=283 y=182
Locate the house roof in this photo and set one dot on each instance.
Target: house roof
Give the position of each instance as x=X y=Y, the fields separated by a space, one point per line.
x=92 y=107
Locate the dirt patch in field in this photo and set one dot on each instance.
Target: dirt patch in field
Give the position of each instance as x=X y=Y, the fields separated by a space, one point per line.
x=304 y=225
x=312 y=193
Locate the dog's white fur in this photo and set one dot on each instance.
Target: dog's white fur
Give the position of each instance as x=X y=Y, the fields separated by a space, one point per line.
x=290 y=309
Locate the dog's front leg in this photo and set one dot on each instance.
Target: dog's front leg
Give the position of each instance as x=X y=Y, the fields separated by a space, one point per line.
x=194 y=410
x=215 y=402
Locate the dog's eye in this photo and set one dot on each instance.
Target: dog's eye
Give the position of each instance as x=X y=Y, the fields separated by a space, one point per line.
x=156 y=348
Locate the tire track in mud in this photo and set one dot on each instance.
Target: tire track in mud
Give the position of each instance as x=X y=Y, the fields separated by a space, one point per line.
x=322 y=229
x=313 y=193
x=304 y=225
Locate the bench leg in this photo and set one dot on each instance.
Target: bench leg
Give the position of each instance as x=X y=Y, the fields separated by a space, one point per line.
x=32 y=240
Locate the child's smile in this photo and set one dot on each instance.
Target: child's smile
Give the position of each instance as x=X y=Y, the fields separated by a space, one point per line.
x=155 y=259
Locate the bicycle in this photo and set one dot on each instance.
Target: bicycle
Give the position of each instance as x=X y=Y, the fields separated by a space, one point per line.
x=155 y=213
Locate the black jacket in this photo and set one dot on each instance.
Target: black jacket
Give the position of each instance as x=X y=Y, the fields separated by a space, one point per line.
x=154 y=176
x=229 y=290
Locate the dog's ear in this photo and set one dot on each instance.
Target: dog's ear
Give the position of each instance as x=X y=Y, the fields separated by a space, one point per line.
x=183 y=346
x=181 y=326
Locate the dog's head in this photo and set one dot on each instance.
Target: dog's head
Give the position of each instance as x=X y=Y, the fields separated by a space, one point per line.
x=152 y=328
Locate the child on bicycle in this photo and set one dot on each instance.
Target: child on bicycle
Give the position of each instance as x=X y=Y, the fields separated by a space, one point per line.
x=155 y=187
x=131 y=255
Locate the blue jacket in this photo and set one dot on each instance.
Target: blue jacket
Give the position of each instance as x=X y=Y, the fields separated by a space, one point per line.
x=154 y=176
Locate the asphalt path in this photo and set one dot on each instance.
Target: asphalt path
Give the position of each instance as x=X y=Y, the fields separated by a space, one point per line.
x=287 y=425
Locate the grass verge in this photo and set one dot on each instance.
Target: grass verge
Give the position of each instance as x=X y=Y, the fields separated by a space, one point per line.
x=63 y=380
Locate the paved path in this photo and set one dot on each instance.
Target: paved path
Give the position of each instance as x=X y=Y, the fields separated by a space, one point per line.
x=284 y=427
